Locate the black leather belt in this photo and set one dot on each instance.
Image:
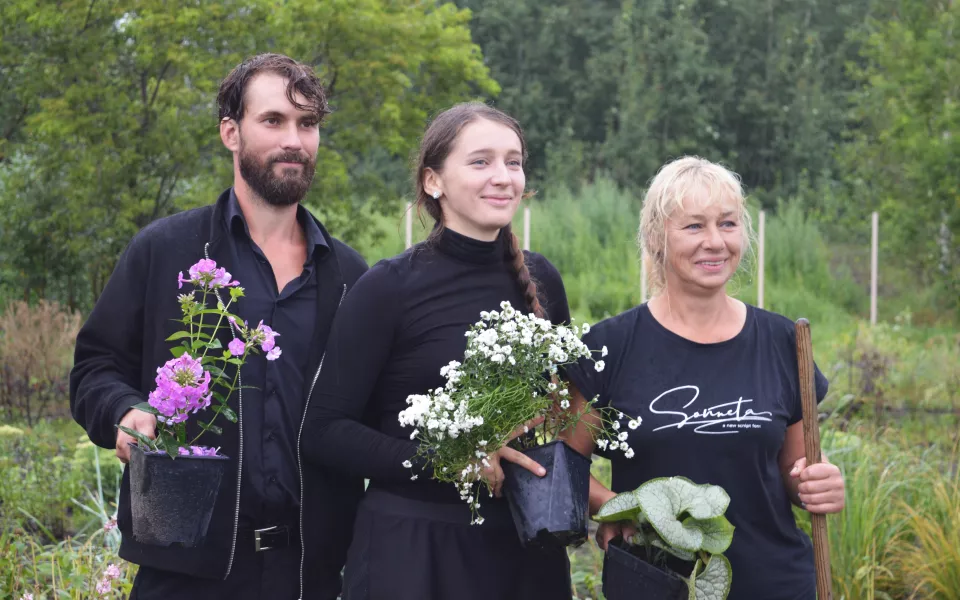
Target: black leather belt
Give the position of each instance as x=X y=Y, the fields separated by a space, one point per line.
x=270 y=537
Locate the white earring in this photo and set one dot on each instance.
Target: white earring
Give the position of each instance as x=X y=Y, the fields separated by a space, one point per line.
x=436 y=195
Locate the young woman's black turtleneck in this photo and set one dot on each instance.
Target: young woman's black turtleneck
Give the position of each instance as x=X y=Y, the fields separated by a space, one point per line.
x=400 y=323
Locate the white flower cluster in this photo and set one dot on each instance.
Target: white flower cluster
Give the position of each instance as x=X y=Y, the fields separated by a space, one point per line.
x=523 y=340
x=439 y=414
x=500 y=385
x=619 y=442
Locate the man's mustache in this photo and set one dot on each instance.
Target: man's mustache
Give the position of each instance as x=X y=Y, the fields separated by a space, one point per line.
x=291 y=157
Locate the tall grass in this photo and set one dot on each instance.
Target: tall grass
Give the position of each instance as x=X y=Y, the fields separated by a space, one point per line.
x=863 y=537
x=930 y=556
x=590 y=237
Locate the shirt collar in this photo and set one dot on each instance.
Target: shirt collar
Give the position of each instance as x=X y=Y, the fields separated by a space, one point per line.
x=237 y=223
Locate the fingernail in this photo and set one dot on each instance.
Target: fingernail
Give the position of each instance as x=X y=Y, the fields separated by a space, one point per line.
x=803 y=505
x=541 y=471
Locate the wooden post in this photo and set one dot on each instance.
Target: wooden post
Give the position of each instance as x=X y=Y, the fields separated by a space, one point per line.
x=811 y=444
x=643 y=274
x=409 y=227
x=526 y=227
x=874 y=244
x=761 y=242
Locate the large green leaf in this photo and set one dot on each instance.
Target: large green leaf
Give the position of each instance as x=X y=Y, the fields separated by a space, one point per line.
x=714 y=582
x=681 y=554
x=666 y=500
x=717 y=533
x=622 y=507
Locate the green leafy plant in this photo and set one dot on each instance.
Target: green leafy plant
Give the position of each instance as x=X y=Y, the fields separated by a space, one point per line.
x=675 y=516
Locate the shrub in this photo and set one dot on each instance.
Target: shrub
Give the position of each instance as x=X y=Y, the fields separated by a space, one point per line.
x=36 y=351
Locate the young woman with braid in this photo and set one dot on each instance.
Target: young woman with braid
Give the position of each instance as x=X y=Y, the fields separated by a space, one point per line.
x=404 y=320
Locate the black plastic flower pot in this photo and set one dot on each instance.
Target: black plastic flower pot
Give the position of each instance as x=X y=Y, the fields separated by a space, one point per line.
x=628 y=577
x=172 y=499
x=549 y=510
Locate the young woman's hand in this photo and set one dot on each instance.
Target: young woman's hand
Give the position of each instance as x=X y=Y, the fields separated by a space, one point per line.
x=493 y=474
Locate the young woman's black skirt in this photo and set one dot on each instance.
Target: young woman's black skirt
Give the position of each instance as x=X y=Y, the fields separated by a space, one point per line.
x=406 y=549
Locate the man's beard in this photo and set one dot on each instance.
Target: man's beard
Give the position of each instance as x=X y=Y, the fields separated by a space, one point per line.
x=287 y=189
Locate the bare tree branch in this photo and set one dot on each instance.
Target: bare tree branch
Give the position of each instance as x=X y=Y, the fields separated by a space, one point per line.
x=163 y=72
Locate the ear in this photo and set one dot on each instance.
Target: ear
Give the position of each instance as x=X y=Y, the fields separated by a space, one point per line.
x=230 y=134
x=432 y=182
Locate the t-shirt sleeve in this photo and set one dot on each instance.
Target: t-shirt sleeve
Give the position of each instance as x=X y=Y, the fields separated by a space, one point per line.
x=360 y=342
x=593 y=375
x=550 y=290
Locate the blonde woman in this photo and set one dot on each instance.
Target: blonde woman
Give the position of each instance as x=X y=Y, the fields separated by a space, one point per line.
x=714 y=383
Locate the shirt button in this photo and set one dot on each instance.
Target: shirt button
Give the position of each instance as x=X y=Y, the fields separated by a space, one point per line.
x=270 y=437
x=273 y=480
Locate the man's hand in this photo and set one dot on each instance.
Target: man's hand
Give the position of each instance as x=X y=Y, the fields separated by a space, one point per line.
x=136 y=420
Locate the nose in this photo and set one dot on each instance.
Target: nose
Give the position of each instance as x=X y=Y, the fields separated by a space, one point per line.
x=500 y=176
x=713 y=240
x=291 y=137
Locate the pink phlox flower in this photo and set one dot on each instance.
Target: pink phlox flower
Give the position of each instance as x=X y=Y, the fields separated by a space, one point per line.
x=221 y=277
x=27 y=596
x=203 y=451
x=206 y=274
x=237 y=347
x=183 y=387
x=198 y=451
x=204 y=268
x=267 y=337
x=112 y=572
x=104 y=587
x=111 y=524
x=274 y=353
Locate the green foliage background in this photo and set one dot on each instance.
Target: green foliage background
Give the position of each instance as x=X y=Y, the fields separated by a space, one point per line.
x=836 y=109
x=828 y=110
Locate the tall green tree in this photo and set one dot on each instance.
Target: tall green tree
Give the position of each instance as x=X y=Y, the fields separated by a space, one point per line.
x=122 y=129
x=663 y=75
x=905 y=155
x=543 y=55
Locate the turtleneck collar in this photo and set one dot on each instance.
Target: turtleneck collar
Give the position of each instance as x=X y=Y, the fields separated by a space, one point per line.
x=472 y=250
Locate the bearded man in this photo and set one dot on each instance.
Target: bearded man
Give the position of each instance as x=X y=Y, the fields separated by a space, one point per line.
x=280 y=529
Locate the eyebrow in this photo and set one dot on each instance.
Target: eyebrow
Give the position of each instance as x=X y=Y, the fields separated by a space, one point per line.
x=700 y=216
x=279 y=115
x=492 y=151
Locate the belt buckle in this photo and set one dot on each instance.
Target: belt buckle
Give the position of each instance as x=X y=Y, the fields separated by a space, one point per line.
x=256 y=538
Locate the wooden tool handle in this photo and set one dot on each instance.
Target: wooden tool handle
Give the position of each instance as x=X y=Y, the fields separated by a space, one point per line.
x=811 y=442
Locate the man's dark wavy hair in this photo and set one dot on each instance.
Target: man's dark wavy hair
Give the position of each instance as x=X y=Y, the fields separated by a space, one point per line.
x=300 y=79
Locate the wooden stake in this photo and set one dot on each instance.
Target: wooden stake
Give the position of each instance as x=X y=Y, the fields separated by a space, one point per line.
x=762 y=235
x=811 y=443
x=409 y=237
x=526 y=228
x=874 y=243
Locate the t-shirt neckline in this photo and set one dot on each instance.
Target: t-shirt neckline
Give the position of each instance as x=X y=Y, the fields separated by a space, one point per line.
x=658 y=326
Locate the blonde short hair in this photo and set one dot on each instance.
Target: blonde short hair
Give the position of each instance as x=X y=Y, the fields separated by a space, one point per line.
x=683 y=179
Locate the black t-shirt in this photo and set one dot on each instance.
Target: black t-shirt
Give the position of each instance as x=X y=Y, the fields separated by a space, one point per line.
x=714 y=413
x=401 y=322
